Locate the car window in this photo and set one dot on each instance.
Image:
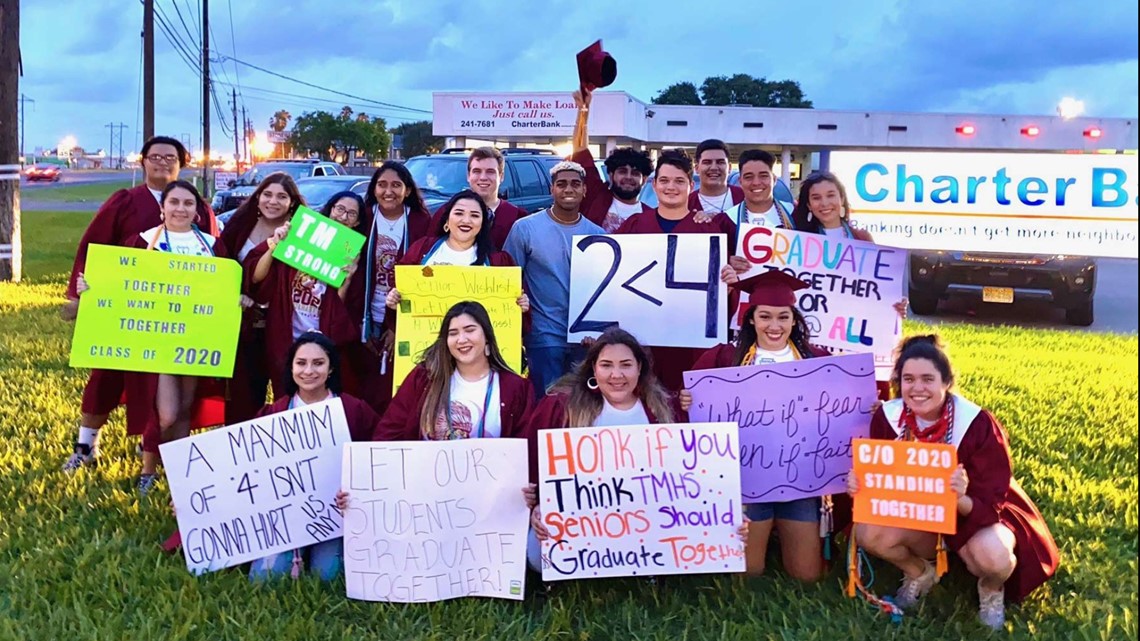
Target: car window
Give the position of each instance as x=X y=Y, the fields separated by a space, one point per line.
x=319 y=171
x=530 y=181
x=443 y=176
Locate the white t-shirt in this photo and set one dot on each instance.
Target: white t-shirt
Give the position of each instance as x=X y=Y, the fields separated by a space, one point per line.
x=769 y=218
x=467 y=402
x=298 y=402
x=157 y=193
x=445 y=255
x=307 y=295
x=389 y=241
x=187 y=243
x=716 y=204
x=245 y=249
x=764 y=357
x=612 y=416
x=617 y=214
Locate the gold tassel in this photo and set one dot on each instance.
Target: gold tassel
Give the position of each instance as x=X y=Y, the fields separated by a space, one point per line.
x=852 y=565
x=942 y=563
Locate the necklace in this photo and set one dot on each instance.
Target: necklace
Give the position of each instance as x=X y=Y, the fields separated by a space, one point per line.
x=724 y=199
x=942 y=431
x=558 y=220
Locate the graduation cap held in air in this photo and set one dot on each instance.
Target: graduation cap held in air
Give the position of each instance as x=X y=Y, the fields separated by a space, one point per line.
x=773 y=288
x=596 y=68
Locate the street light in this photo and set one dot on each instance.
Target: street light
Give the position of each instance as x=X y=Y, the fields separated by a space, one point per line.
x=1070 y=108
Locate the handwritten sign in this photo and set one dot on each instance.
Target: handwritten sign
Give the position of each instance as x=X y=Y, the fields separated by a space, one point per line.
x=796 y=421
x=149 y=311
x=262 y=487
x=853 y=285
x=663 y=288
x=906 y=484
x=428 y=292
x=640 y=500
x=319 y=246
x=435 y=520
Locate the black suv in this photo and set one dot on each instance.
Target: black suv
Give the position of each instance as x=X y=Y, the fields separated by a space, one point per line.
x=1065 y=281
x=236 y=192
x=526 y=176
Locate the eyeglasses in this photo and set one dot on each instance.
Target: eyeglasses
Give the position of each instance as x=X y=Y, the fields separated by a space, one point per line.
x=159 y=160
x=345 y=211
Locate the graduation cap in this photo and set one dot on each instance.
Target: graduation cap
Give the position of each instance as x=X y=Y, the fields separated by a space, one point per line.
x=596 y=68
x=773 y=288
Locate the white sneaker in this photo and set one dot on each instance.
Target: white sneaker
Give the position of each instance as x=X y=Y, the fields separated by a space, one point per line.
x=991 y=607
x=83 y=455
x=914 y=589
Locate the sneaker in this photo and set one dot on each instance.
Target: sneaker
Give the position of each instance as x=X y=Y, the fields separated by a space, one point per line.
x=147 y=483
x=914 y=589
x=83 y=455
x=991 y=607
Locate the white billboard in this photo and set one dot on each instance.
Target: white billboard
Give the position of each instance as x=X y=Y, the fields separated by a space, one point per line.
x=1032 y=203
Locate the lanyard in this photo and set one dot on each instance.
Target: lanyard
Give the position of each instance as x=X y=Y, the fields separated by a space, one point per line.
x=486 y=404
x=742 y=216
x=438 y=244
x=170 y=248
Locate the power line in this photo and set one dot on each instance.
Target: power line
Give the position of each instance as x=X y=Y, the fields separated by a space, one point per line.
x=309 y=84
x=174 y=40
x=312 y=101
x=233 y=43
x=189 y=34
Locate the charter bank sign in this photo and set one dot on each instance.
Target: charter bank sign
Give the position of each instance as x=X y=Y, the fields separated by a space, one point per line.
x=481 y=114
x=1041 y=203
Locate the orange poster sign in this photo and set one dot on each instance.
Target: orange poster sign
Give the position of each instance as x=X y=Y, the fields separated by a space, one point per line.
x=905 y=484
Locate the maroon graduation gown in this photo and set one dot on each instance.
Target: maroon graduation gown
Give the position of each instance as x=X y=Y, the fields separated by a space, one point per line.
x=276 y=290
x=998 y=498
x=670 y=362
x=361 y=419
x=596 y=205
x=401 y=422
x=736 y=198
x=245 y=391
x=122 y=217
x=505 y=216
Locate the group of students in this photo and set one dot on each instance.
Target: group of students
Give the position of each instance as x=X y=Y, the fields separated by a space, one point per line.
x=310 y=342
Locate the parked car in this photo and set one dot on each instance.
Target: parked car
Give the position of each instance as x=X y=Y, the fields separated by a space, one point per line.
x=317 y=191
x=41 y=171
x=232 y=196
x=526 y=176
x=1065 y=281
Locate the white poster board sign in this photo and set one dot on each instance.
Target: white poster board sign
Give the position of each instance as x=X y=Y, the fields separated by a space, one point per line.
x=665 y=289
x=435 y=520
x=258 y=488
x=640 y=500
x=1031 y=203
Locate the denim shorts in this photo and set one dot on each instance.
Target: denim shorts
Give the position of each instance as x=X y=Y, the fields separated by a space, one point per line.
x=802 y=510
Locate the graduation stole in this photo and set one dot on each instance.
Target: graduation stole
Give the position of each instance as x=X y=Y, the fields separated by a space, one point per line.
x=940 y=432
x=751 y=354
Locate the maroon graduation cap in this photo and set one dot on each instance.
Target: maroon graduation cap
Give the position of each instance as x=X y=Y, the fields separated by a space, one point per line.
x=596 y=68
x=773 y=288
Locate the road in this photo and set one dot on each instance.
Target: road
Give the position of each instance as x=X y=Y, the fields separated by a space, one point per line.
x=80 y=177
x=1115 y=306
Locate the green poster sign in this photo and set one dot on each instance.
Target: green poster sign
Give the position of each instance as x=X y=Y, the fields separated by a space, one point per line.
x=149 y=311
x=319 y=246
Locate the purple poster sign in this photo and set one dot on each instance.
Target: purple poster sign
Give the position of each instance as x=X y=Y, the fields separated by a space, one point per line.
x=796 y=421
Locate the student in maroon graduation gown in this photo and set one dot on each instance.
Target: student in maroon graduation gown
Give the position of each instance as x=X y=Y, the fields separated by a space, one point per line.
x=298 y=303
x=394 y=218
x=172 y=396
x=273 y=203
x=462 y=239
x=773 y=331
x=1001 y=536
x=485 y=167
x=313 y=377
x=540 y=244
x=609 y=206
x=126 y=213
x=823 y=208
x=672 y=182
x=714 y=195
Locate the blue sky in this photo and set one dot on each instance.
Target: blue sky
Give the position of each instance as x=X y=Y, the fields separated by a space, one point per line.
x=82 y=57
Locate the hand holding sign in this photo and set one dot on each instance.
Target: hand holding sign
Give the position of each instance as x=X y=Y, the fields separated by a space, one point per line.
x=318 y=246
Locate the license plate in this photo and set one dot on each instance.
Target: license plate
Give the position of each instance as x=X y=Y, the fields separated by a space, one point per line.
x=997 y=294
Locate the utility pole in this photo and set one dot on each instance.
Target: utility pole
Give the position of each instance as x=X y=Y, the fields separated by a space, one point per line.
x=237 y=134
x=205 y=95
x=111 y=150
x=148 y=69
x=122 y=126
x=23 y=115
x=11 y=250
x=244 y=134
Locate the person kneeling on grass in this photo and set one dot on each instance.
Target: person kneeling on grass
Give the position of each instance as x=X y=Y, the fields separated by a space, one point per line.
x=1001 y=536
x=314 y=377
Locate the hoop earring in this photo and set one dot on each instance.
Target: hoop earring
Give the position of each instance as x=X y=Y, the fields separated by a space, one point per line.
x=446 y=229
x=592 y=383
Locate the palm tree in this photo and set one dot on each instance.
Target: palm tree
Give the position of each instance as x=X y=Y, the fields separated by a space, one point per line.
x=280 y=120
x=345 y=112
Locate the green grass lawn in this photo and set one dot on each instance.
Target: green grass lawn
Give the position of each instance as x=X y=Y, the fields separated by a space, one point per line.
x=79 y=557
x=87 y=192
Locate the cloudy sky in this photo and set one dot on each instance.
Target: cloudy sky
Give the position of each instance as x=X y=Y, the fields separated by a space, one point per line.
x=82 y=58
